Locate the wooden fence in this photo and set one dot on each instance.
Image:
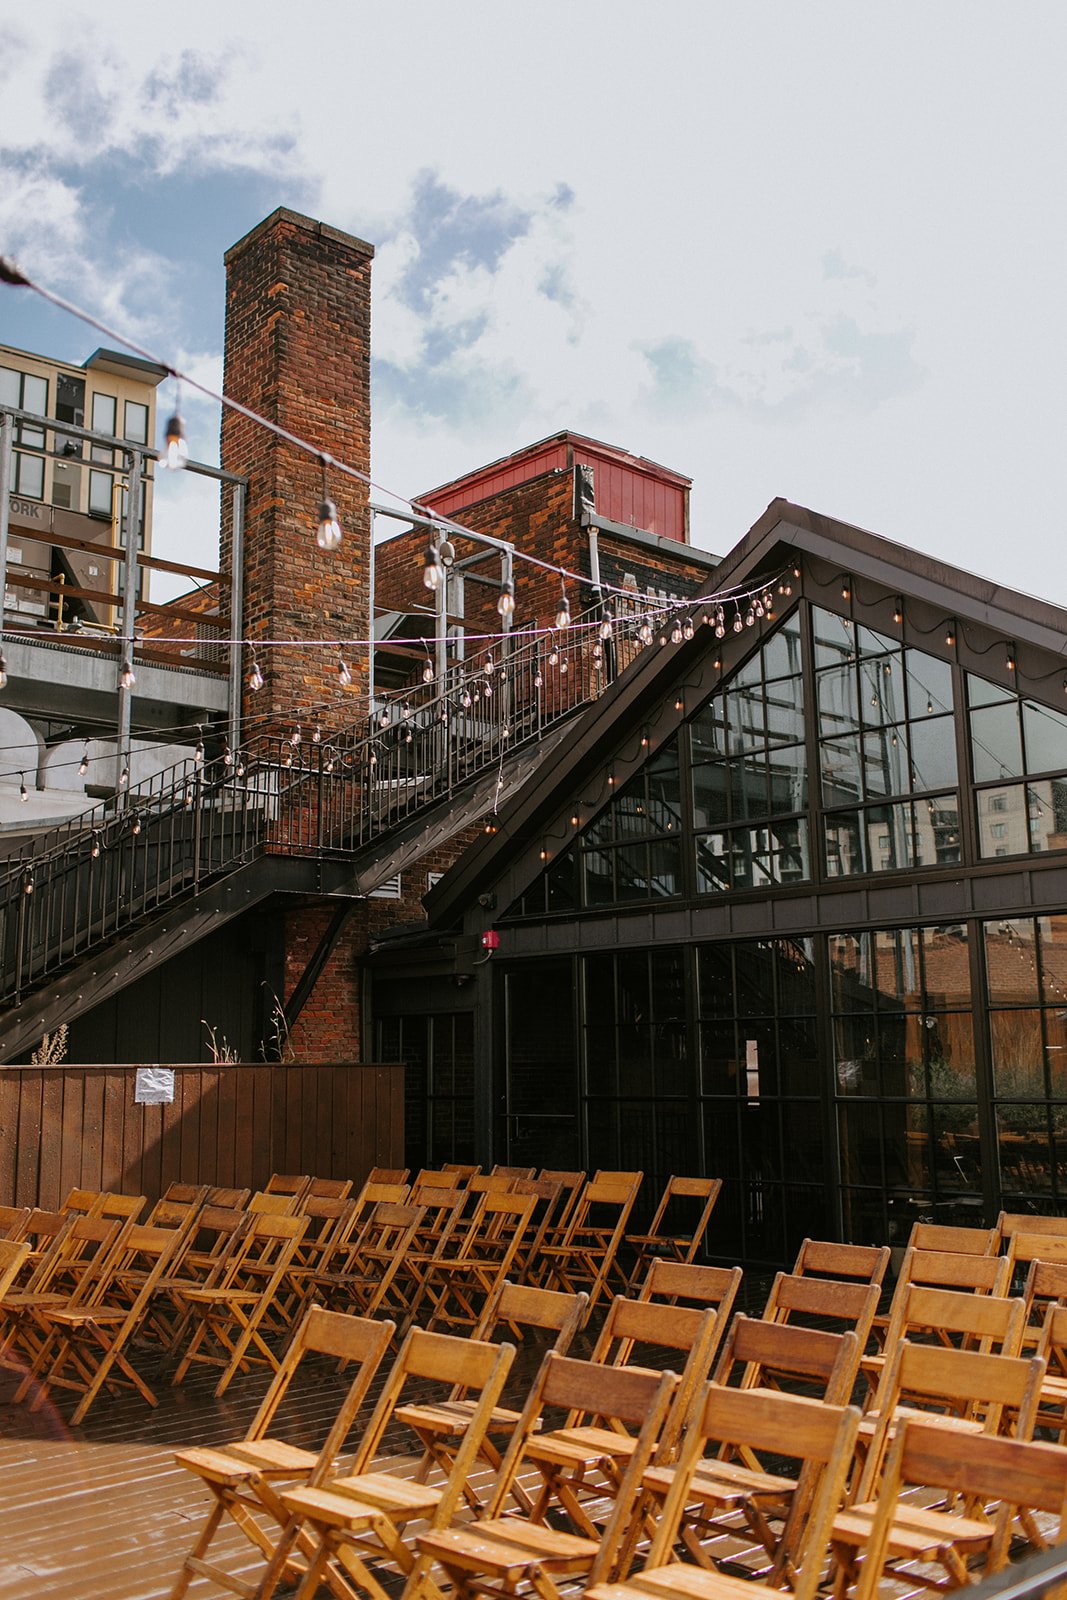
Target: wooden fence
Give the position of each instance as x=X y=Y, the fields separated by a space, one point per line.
x=79 y=1126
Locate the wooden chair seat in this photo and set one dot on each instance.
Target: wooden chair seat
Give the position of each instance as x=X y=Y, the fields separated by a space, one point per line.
x=665 y=1582
x=385 y=1491
x=236 y=1464
x=724 y=1482
x=917 y=1532
x=453 y=1417
x=505 y=1548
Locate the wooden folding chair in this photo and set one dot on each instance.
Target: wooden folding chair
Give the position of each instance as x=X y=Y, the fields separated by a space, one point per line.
x=359 y=1519
x=989 y=1489
x=13 y=1220
x=184 y=1194
x=245 y=1478
x=586 y=1258
x=366 y=1278
x=667 y=1238
x=85 y=1346
x=514 y=1172
x=941 y=1269
x=388 y=1175
x=461 y=1284
x=954 y=1240
x=961 y=1391
x=273 y=1203
x=1009 y=1223
x=671 y=1281
x=588 y=1452
x=331 y=1223
x=825 y=1258
x=296 y=1187
x=1045 y=1286
x=789 y=1513
x=509 y=1555
x=517 y=1308
x=40 y=1230
x=463 y=1170
x=823 y=1303
x=228 y=1314
x=36 y=1267
x=13 y=1253
x=215 y=1235
x=329 y=1189
x=1052 y=1348
x=549 y=1197
x=84 y=1255
x=572 y=1184
x=780 y=1355
x=442 y=1215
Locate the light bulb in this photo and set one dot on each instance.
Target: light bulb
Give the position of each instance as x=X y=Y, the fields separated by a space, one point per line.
x=489 y=669
x=563 y=615
x=738 y=624
x=605 y=629
x=329 y=761
x=553 y=658
x=539 y=681
x=644 y=632
x=676 y=633
x=465 y=700
x=175 y=449
x=127 y=677
x=688 y=630
x=427 y=673
x=198 y=753
x=27 y=882
x=227 y=756
x=431 y=567
x=344 y=677
x=488 y=691
x=239 y=765
x=135 y=825
x=328 y=533
x=124 y=777
x=255 y=676
x=94 y=848
x=564 y=664
x=506 y=604
x=23 y=794
x=83 y=764
x=447 y=551
x=316 y=737
x=405 y=711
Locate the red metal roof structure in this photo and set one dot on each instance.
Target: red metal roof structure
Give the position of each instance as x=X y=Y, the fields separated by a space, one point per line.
x=629 y=489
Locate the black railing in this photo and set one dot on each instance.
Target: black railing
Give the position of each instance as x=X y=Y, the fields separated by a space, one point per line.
x=80 y=885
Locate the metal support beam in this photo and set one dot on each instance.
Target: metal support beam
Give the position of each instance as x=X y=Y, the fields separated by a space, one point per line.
x=129 y=616
x=318 y=959
x=237 y=602
x=7 y=431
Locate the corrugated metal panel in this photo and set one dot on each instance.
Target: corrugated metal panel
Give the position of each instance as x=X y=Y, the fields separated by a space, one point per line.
x=492 y=480
x=629 y=489
x=635 y=496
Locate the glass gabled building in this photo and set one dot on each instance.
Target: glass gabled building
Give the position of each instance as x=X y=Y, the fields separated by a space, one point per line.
x=788 y=906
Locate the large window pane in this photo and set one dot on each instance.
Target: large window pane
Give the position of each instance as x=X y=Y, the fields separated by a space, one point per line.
x=996 y=742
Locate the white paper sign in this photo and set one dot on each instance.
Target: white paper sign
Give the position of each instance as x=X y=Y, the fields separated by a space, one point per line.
x=154 y=1086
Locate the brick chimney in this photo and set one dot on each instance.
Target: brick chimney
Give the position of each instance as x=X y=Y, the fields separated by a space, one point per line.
x=298 y=351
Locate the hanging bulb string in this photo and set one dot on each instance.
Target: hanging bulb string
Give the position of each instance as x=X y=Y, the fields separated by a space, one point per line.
x=13 y=275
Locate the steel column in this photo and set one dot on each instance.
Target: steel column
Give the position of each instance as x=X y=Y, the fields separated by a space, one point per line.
x=129 y=616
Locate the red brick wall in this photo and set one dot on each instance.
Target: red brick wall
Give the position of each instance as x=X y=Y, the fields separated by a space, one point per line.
x=298 y=351
x=536 y=516
x=332 y=1019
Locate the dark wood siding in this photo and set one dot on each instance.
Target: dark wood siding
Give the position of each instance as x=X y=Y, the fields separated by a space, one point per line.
x=68 y=1126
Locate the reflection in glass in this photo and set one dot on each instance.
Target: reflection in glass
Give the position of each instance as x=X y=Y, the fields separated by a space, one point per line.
x=1045 y=732
x=996 y=742
x=1024 y=1143
x=1018 y=1054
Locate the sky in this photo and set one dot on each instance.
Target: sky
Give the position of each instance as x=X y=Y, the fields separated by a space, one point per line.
x=812 y=250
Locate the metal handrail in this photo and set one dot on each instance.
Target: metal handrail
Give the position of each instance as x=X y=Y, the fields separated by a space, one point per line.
x=76 y=887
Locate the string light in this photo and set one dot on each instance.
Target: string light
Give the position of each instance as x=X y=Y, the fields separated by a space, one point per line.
x=296 y=736
x=328 y=534
x=898 y=611
x=124 y=778
x=175 y=445
x=688 y=630
x=127 y=678
x=950 y=635
x=539 y=681
x=23 y=794
x=239 y=766
x=198 y=753
x=135 y=823
x=644 y=632
x=344 y=676
x=506 y=604
x=563 y=615
x=846 y=592
x=1009 y=659
x=27 y=881
x=427 y=672
x=227 y=754
x=255 y=676
x=83 y=764
x=738 y=624
x=95 y=845
x=676 y=633
x=605 y=629
x=431 y=567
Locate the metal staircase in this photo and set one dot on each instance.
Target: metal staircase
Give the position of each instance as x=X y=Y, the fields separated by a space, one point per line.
x=201 y=841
